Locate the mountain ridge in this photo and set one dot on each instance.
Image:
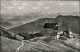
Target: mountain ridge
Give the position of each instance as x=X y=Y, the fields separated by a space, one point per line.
x=66 y=23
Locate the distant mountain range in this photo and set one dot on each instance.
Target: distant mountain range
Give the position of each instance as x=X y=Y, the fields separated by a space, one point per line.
x=30 y=17
x=71 y=23
x=1 y=20
x=72 y=13
x=18 y=20
x=6 y=25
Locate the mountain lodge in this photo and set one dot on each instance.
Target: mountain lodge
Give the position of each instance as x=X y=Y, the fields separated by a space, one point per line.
x=50 y=28
x=53 y=26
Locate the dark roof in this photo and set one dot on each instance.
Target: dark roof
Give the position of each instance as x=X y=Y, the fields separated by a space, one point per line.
x=66 y=31
x=50 y=25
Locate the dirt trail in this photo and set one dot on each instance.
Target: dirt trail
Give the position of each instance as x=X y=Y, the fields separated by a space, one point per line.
x=20 y=46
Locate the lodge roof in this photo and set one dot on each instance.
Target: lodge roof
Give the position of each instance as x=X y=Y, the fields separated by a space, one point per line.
x=50 y=25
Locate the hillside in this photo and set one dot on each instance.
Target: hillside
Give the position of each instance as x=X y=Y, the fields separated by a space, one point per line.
x=71 y=23
x=9 y=45
x=32 y=27
x=6 y=25
x=16 y=20
x=1 y=20
x=37 y=44
x=10 y=35
x=6 y=33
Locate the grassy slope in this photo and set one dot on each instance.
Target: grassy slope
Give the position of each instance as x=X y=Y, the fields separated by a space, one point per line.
x=9 y=45
x=71 y=23
x=42 y=47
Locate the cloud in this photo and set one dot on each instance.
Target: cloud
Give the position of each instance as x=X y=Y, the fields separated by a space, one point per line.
x=15 y=3
x=10 y=12
x=2 y=4
x=20 y=7
x=2 y=12
x=25 y=4
x=61 y=4
x=10 y=7
x=35 y=8
x=40 y=4
x=46 y=7
x=76 y=4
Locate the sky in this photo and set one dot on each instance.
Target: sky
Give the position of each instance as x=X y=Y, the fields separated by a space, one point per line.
x=39 y=6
